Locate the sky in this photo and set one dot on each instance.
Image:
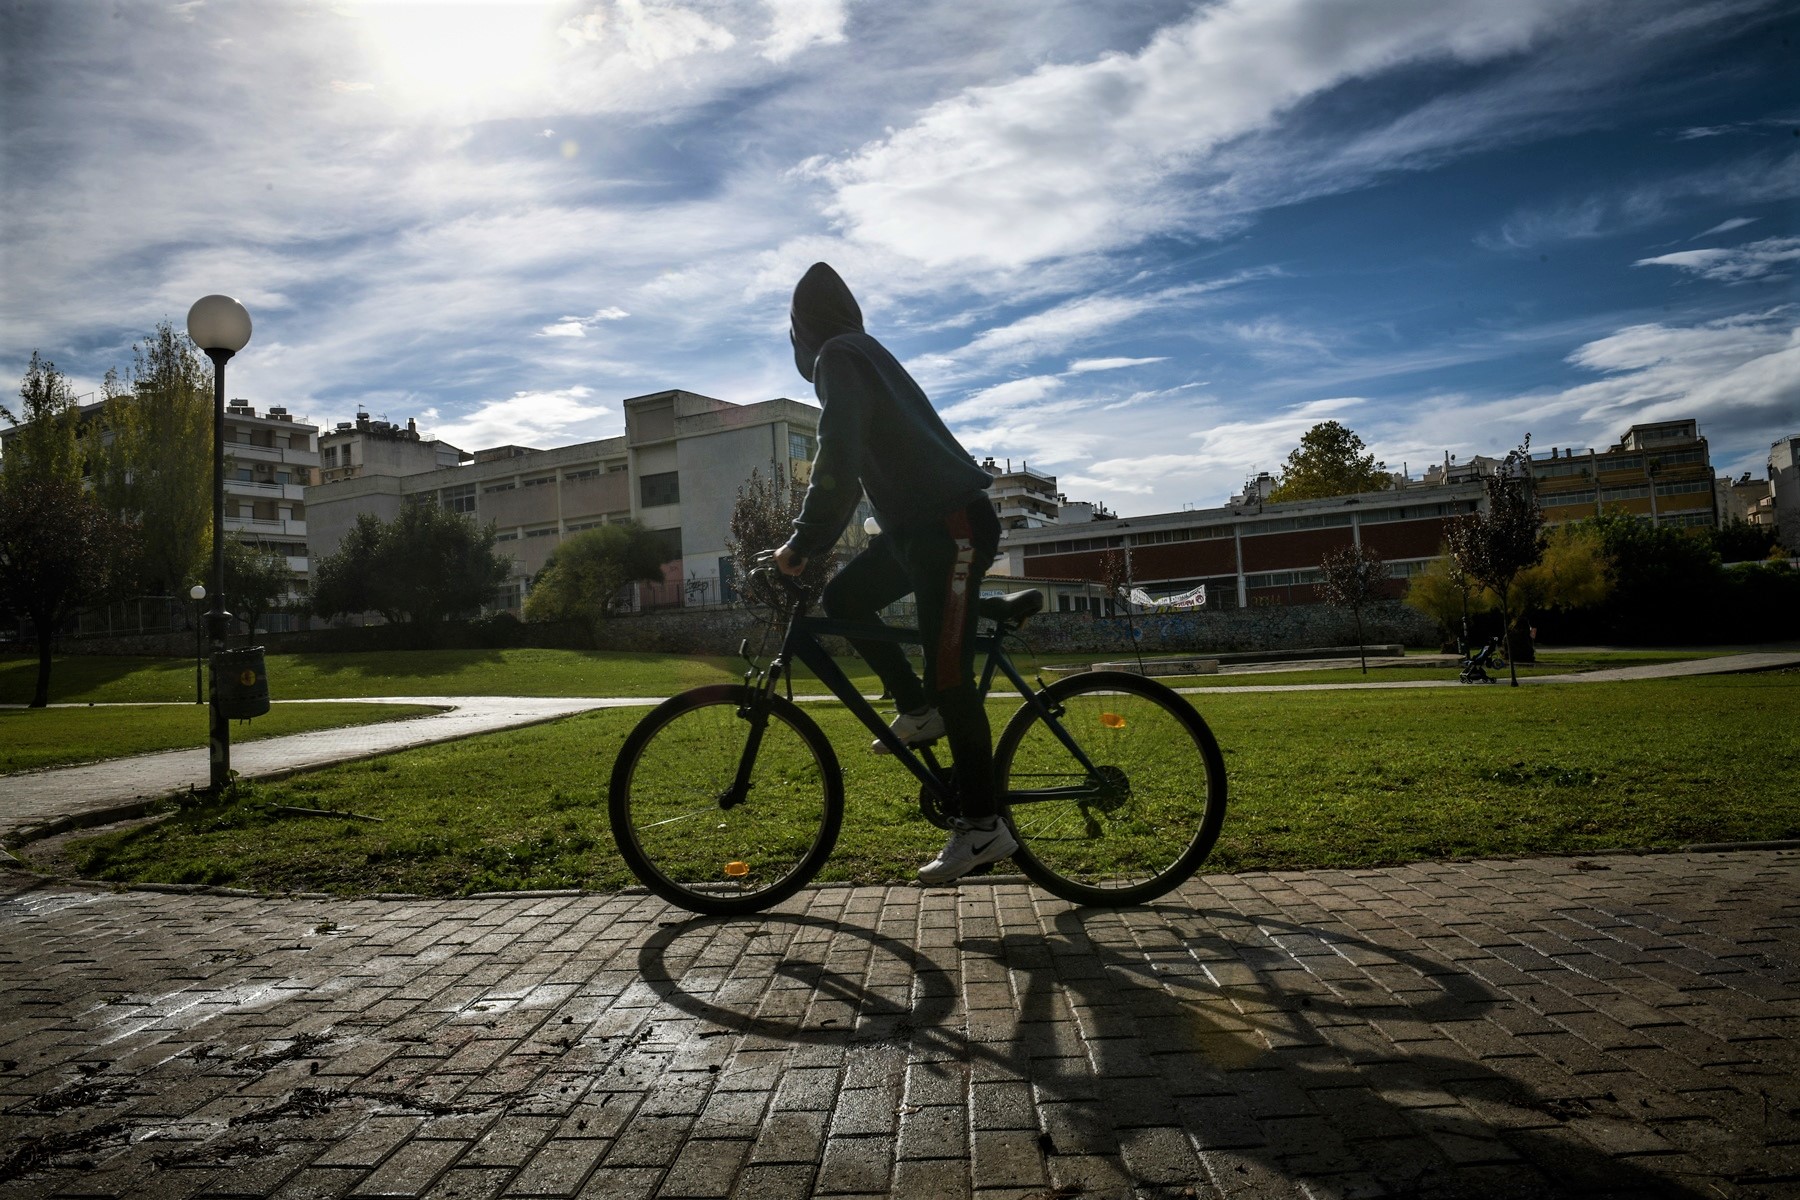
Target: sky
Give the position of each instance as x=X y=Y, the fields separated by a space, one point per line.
x=1139 y=246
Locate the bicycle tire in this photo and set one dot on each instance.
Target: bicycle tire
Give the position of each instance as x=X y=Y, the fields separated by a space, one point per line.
x=1162 y=790
x=672 y=831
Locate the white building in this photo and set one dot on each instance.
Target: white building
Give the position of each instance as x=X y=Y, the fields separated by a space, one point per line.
x=270 y=462
x=381 y=448
x=1784 y=487
x=676 y=470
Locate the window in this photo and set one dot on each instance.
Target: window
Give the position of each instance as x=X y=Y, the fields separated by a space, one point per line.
x=801 y=446
x=460 y=499
x=668 y=543
x=537 y=533
x=1563 y=499
x=572 y=476
x=1683 y=488
x=655 y=490
x=540 y=481
x=329 y=458
x=511 y=535
x=499 y=487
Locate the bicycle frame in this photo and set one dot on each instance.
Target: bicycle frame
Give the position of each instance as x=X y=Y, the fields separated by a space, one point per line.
x=802 y=642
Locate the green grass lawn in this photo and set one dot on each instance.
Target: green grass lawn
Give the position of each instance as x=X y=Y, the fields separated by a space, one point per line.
x=57 y=737
x=1340 y=779
x=84 y=679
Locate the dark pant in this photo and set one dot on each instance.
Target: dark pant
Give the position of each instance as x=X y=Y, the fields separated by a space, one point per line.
x=941 y=566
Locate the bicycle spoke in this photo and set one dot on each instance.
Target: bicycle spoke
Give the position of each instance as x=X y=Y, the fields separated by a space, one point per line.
x=681 y=841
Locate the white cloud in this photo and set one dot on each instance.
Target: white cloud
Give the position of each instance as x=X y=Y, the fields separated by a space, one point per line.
x=1016 y=393
x=801 y=24
x=574 y=327
x=1726 y=226
x=1737 y=264
x=535 y=418
x=1754 y=179
x=1096 y=155
x=648 y=32
x=1082 y=366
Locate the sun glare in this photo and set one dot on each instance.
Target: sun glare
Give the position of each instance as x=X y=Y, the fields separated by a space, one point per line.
x=441 y=54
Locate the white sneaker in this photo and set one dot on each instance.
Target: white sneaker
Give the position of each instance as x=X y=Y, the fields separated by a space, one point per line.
x=913 y=731
x=967 y=849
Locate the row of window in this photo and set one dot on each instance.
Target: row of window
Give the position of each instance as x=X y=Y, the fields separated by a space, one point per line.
x=1408 y=512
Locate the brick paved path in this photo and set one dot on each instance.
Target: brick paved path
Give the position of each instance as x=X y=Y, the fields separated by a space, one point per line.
x=1620 y=1026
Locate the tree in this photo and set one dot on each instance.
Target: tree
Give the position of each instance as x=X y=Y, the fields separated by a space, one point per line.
x=1353 y=576
x=256 y=580
x=1572 y=574
x=1665 y=581
x=342 y=581
x=762 y=518
x=157 y=470
x=1493 y=547
x=1330 y=461
x=424 y=566
x=586 y=576
x=1739 y=541
x=46 y=437
x=58 y=547
x=1445 y=593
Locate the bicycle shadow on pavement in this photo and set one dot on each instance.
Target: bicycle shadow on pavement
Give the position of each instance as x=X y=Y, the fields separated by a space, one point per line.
x=1195 y=1056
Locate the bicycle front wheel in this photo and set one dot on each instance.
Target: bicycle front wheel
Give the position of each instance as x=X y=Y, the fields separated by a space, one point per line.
x=1134 y=820
x=725 y=802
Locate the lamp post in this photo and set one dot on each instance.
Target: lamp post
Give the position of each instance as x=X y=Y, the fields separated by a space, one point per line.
x=220 y=326
x=197 y=593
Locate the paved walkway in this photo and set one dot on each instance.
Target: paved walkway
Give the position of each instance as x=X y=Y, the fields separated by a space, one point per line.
x=1614 y=1027
x=1618 y=1026
x=34 y=799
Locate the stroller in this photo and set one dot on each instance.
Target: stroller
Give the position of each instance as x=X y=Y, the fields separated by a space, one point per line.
x=1475 y=666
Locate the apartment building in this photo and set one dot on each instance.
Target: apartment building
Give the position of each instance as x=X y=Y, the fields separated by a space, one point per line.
x=676 y=470
x=1023 y=499
x=1247 y=555
x=382 y=448
x=270 y=461
x=1659 y=471
x=1784 y=491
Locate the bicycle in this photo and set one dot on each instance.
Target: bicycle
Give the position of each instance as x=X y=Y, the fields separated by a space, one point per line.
x=728 y=799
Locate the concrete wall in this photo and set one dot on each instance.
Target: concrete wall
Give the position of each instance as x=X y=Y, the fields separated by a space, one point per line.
x=718 y=631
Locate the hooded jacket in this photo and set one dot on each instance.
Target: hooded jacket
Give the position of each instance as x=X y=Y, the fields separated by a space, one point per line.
x=878 y=433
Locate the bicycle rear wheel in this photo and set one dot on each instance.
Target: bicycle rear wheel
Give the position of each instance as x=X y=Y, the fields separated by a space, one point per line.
x=1137 y=825
x=683 y=827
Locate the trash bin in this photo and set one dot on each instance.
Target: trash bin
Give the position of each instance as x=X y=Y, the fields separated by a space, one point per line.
x=242 y=683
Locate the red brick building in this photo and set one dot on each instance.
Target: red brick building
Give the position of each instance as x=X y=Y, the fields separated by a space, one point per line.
x=1247 y=555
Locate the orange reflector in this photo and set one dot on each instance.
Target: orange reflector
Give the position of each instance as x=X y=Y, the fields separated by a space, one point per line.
x=736 y=868
x=1112 y=720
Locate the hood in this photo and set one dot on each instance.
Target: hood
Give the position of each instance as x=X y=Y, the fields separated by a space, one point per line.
x=823 y=308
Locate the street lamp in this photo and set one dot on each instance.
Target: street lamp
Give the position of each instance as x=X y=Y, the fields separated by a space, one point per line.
x=220 y=326
x=197 y=593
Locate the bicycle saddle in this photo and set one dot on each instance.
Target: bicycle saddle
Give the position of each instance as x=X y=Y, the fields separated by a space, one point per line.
x=1012 y=608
